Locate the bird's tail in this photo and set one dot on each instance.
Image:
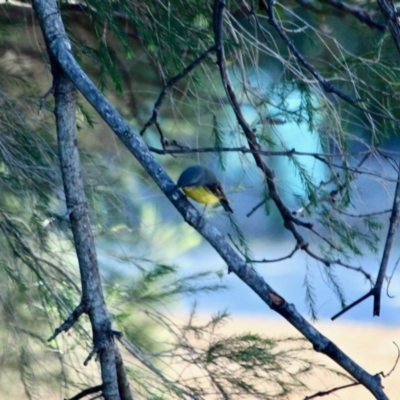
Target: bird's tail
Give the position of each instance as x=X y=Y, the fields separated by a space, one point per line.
x=225 y=205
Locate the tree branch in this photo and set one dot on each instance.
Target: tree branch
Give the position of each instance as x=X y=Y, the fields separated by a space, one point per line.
x=86 y=392
x=123 y=383
x=65 y=113
x=357 y=12
x=351 y=305
x=330 y=391
x=69 y=322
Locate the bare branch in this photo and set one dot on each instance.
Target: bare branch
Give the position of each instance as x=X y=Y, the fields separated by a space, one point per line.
x=277 y=259
x=372 y=214
x=45 y=97
x=323 y=157
x=351 y=305
x=390 y=278
x=256 y=207
x=251 y=139
x=395 y=363
x=69 y=322
x=328 y=262
x=86 y=392
x=93 y=352
x=330 y=391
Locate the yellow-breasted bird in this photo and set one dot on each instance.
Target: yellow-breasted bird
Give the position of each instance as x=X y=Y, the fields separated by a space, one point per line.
x=201 y=184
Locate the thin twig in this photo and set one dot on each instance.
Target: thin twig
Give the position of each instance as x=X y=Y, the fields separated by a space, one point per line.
x=327 y=262
x=372 y=214
x=246 y=150
x=171 y=83
x=46 y=95
x=288 y=153
x=256 y=207
x=87 y=391
x=390 y=278
x=70 y=321
x=353 y=304
x=330 y=391
x=95 y=350
x=249 y=134
x=385 y=375
x=277 y=259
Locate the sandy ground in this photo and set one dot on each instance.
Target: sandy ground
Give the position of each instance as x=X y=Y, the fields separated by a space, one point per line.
x=370 y=346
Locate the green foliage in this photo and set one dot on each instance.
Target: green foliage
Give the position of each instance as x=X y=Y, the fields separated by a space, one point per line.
x=218 y=142
x=242 y=245
x=161 y=283
x=198 y=356
x=310 y=295
x=249 y=364
x=350 y=238
x=333 y=282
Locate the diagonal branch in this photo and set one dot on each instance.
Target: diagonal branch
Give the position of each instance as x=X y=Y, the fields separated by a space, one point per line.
x=357 y=12
x=70 y=321
x=330 y=391
x=86 y=392
x=123 y=382
x=328 y=87
x=156 y=109
x=352 y=305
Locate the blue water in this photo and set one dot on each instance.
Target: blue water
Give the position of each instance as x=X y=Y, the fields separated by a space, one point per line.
x=287 y=279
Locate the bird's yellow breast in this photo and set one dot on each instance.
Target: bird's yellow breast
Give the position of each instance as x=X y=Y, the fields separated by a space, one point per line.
x=200 y=194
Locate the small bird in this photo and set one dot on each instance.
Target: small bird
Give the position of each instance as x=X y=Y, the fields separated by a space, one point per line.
x=201 y=184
